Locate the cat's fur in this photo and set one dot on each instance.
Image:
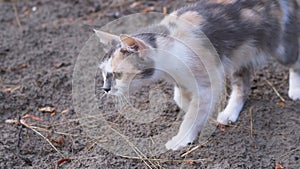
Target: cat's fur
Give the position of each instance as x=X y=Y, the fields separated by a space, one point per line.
x=243 y=32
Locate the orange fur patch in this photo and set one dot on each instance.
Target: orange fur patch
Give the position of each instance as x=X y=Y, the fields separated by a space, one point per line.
x=117 y=60
x=192 y=17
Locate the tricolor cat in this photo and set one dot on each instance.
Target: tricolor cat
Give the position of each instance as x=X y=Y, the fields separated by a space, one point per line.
x=244 y=34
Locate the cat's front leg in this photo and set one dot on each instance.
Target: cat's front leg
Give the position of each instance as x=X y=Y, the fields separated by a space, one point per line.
x=194 y=118
x=182 y=98
x=240 y=86
x=294 y=81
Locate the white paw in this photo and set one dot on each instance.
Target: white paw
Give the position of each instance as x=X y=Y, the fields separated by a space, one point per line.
x=178 y=142
x=225 y=117
x=294 y=94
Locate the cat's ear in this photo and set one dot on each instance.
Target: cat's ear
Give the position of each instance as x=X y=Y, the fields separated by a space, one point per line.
x=106 y=38
x=132 y=43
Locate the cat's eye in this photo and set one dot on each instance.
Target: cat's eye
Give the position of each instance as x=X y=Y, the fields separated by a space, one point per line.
x=117 y=75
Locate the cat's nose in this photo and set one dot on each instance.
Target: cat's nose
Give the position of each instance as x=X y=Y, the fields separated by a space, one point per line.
x=106 y=89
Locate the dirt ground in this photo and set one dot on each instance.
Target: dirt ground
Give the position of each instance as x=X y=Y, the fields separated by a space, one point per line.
x=39 y=44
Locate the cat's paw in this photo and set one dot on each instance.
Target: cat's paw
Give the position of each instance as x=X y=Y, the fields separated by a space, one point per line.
x=178 y=142
x=226 y=117
x=294 y=94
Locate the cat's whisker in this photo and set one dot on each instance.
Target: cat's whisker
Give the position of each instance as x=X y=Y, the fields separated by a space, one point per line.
x=102 y=96
x=126 y=100
x=121 y=102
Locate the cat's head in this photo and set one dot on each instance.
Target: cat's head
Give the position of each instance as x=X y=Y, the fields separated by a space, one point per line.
x=126 y=62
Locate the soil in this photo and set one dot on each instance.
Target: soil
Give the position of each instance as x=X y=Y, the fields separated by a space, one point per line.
x=40 y=42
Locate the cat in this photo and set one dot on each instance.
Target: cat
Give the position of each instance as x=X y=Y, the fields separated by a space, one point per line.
x=243 y=32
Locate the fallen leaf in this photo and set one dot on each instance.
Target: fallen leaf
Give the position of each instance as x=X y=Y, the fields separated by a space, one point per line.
x=58 y=142
x=278 y=166
x=11 y=121
x=136 y=4
x=27 y=12
x=65 y=111
x=63 y=161
x=47 y=109
x=28 y=116
x=190 y=162
x=14 y=121
x=281 y=104
x=11 y=89
x=61 y=64
x=149 y=9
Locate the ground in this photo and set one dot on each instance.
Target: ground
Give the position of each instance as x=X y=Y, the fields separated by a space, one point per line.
x=39 y=44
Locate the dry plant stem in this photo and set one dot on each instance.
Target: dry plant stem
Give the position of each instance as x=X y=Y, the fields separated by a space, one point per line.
x=289 y=153
x=251 y=121
x=136 y=150
x=18 y=145
x=26 y=125
x=275 y=90
x=163 y=160
x=16 y=14
x=195 y=148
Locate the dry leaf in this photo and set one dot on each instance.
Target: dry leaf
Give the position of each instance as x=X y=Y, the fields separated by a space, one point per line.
x=281 y=104
x=63 y=161
x=65 y=111
x=278 y=166
x=14 y=121
x=47 y=109
x=136 y=4
x=61 y=64
x=58 y=142
x=26 y=12
x=11 y=89
x=28 y=116
x=11 y=121
x=190 y=162
x=149 y=9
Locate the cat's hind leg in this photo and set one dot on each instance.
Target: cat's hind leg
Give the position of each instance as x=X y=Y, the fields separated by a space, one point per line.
x=288 y=54
x=240 y=86
x=288 y=51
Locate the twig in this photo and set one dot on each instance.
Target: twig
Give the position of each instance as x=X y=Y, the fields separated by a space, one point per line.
x=195 y=148
x=162 y=160
x=27 y=161
x=16 y=14
x=289 y=152
x=135 y=149
x=28 y=126
x=19 y=135
x=275 y=90
x=251 y=121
